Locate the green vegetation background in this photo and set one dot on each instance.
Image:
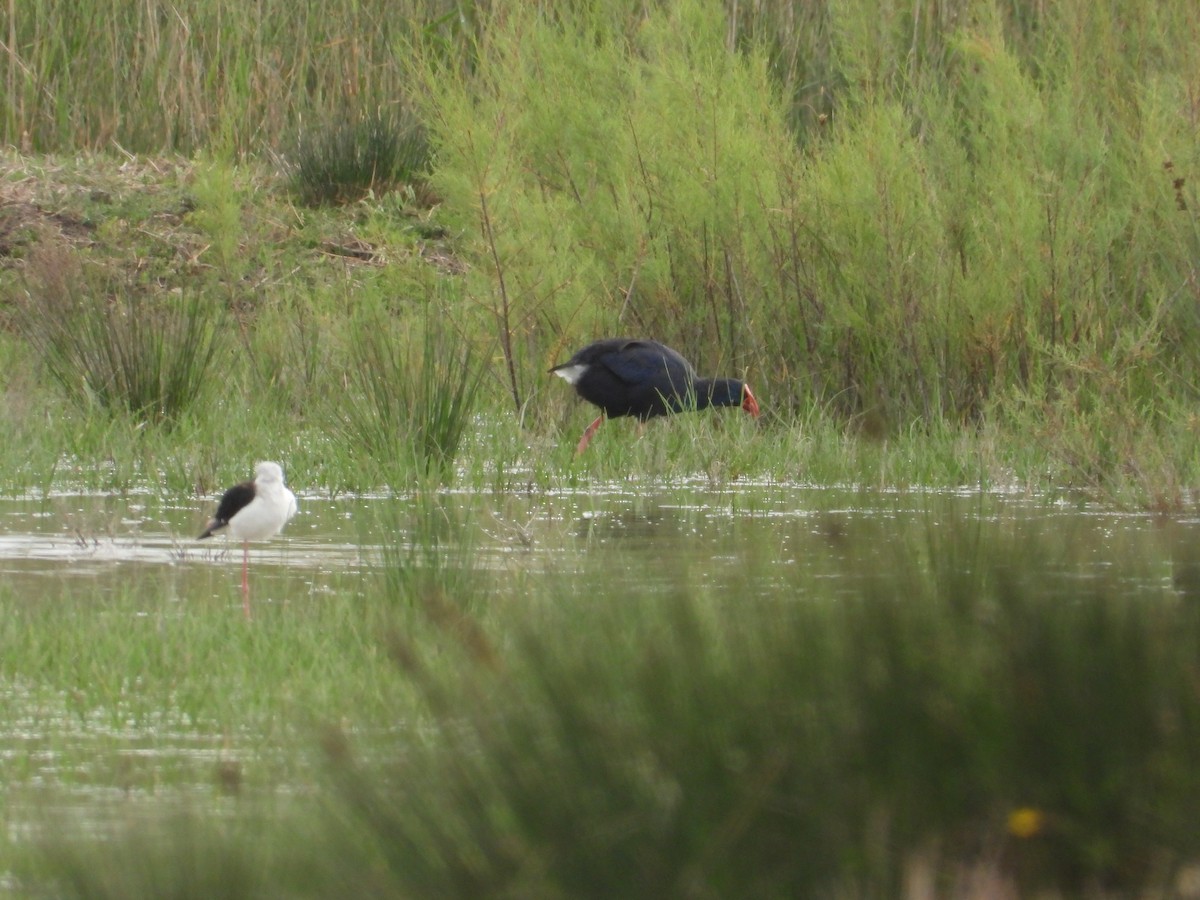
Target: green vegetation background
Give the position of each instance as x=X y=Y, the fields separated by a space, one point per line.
x=968 y=230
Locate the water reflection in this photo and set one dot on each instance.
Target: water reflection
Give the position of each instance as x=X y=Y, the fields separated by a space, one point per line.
x=1182 y=542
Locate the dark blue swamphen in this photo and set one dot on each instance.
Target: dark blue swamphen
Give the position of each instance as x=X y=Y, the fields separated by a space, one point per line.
x=645 y=379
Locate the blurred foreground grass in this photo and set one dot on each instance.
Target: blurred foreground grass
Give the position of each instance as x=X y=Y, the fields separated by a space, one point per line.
x=949 y=717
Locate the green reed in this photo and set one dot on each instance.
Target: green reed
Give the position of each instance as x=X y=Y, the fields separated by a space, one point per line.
x=350 y=157
x=110 y=344
x=411 y=393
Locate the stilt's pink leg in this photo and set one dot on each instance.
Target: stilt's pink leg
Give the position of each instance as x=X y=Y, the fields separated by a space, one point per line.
x=246 y=578
x=587 y=434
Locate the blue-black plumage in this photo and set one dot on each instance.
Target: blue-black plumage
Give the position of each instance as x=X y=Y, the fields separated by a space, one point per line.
x=644 y=379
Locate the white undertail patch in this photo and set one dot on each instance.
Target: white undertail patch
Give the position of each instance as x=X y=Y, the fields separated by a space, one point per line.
x=570 y=374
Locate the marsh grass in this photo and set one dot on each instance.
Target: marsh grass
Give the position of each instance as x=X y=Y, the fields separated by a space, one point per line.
x=410 y=393
x=430 y=562
x=112 y=345
x=352 y=156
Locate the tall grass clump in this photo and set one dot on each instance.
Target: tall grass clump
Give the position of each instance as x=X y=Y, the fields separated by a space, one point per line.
x=111 y=343
x=347 y=156
x=410 y=392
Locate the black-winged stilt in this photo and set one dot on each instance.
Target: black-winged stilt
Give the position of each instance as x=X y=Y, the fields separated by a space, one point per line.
x=254 y=511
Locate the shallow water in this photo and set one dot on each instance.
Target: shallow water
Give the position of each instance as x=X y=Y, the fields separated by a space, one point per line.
x=777 y=541
x=117 y=537
x=759 y=537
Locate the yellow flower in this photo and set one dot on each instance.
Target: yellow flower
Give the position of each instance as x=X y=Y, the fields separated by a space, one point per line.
x=1025 y=821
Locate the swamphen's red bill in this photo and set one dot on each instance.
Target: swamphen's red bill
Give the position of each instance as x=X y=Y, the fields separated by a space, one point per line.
x=749 y=404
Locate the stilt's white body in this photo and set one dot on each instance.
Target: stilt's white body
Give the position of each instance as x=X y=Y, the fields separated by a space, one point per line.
x=273 y=505
x=254 y=511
